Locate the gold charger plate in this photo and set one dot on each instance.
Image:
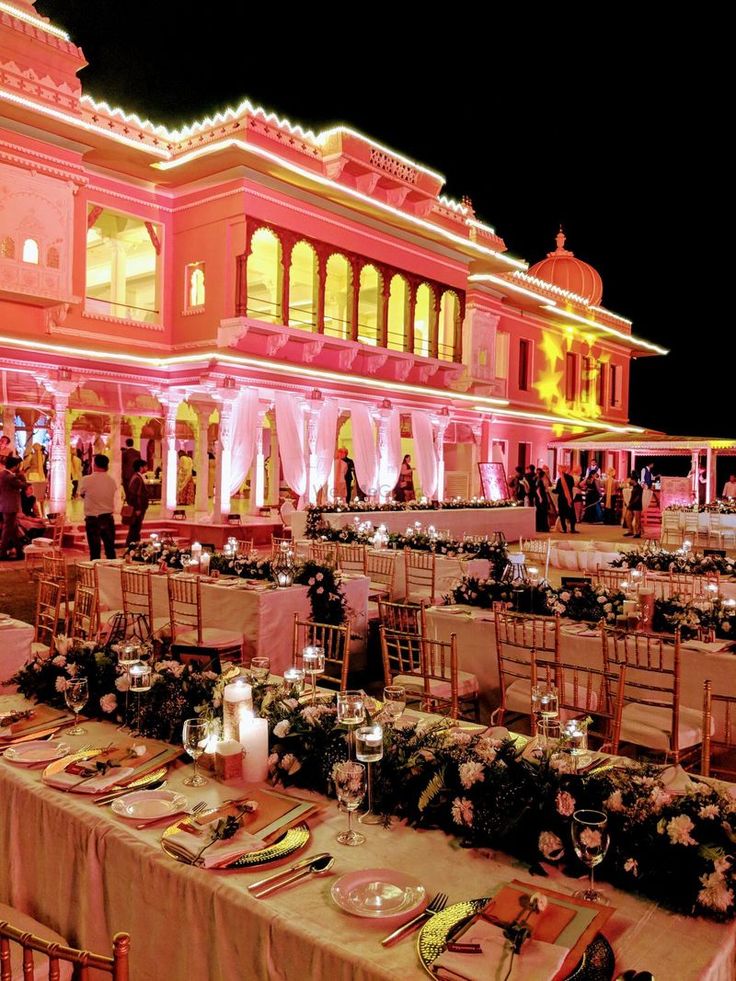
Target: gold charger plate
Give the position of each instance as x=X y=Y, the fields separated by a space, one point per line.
x=291 y=841
x=87 y=754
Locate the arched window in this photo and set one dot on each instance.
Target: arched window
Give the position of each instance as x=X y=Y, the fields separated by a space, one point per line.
x=7 y=248
x=369 y=300
x=264 y=277
x=337 y=297
x=423 y=321
x=195 y=285
x=303 y=287
x=30 y=251
x=52 y=257
x=397 y=313
x=448 y=326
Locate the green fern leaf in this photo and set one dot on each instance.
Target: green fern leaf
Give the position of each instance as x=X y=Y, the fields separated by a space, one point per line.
x=434 y=786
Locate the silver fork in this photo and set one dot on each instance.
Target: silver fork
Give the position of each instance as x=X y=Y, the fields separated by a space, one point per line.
x=197 y=809
x=436 y=904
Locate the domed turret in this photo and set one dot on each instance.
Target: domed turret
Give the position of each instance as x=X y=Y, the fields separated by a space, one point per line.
x=562 y=269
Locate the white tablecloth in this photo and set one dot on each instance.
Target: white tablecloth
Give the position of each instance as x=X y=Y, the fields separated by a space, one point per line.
x=514 y=522
x=15 y=646
x=187 y=924
x=476 y=642
x=265 y=616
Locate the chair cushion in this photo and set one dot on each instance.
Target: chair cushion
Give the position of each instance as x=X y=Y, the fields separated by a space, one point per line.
x=213 y=637
x=467 y=684
x=40 y=961
x=38 y=648
x=650 y=726
x=40 y=545
x=519 y=696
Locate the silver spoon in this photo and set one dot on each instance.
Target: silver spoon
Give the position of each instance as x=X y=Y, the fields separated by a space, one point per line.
x=319 y=866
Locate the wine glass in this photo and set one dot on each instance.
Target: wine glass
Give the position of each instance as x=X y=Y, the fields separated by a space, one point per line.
x=350 y=787
x=369 y=750
x=313 y=659
x=76 y=696
x=260 y=669
x=350 y=713
x=394 y=701
x=194 y=739
x=589 y=830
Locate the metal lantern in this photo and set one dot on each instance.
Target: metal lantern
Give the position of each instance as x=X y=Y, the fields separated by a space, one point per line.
x=283 y=566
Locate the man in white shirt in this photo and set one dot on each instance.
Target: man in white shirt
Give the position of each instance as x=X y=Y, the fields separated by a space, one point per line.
x=729 y=489
x=98 y=491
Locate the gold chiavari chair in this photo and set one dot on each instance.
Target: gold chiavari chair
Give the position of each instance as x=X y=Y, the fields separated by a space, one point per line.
x=671 y=533
x=612 y=578
x=380 y=567
x=652 y=716
x=420 y=569
x=325 y=553
x=689 y=588
x=408 y=618
x=718 y=755
x=84 y=617
x=517 y=635
x=18 y=944
x=190 y=639
x=351 y=558
x=276 y=544
x=691 y=526
x=47 y=615
x=537 y=550
x=586 y=691
x=245 y=548
x=137 y=589
x=54 y=568
x=334 y=639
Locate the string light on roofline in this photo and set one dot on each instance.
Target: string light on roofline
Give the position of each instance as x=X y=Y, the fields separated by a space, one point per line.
x=27 y=18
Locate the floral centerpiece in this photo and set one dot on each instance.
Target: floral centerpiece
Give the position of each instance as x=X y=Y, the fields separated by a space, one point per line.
x=680 y=561
x=315 y=522
x=725 y=505
x=586 y=603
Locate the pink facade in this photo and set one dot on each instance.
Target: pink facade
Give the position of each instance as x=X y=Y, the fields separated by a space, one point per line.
x=147 y=277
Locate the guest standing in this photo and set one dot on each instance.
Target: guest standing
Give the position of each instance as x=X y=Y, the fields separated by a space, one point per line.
x=609 y=497
x=12 y=482
x=185 y=479
x=547 y=488
x=138 y=500
x=98 y=492
x=404 y=490
x=6 y=449
x=341 y=487
x=130 y=455
x=729 y=488
x=565 y=507
x=647 y=480
x=75 y=473
x=633 y=510
x=349 y=474
x=518 y=486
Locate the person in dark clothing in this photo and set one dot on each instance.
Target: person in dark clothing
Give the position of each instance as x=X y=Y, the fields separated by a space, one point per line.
x=130 y=455
x=565 y=507
x=349 y=474
x=633 y=510
x=12 y=484
x=593 y=511
x=138 y=500
x=517 y=485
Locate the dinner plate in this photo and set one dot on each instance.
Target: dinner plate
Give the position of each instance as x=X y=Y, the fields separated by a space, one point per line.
x=379 y=894
x=149 y=805
x=291 y=841
x=36 y=751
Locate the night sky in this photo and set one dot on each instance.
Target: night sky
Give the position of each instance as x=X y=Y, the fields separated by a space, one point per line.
x=591 y=118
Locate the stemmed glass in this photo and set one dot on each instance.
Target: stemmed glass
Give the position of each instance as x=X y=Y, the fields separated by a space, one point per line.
x=141 y=679
x=76 y=695
x=350 y=713
x=260 y=669
x=394 y=701
x=369 y=750
x=313 y=659
x=128 y=654
x=350 y=789
x=589 y=830
x=194 y=739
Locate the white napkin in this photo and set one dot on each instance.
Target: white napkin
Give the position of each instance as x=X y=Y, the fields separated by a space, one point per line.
x=708 y=647
x=536 y=960
x=220 y=853
x=93 y=785
x=675 y=780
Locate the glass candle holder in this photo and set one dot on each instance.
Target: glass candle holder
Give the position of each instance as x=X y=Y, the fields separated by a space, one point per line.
x=294 y=677
x=369 y=750
x=313 y=659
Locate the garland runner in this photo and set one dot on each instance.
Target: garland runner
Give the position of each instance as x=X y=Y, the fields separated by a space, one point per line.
x=676 y=850
x=679 y=561
x=723 y=506
x=314 y=512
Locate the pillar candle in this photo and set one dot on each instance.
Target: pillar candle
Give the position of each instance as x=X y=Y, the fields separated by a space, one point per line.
x=204 y=563
x=254 y=740
x=236 y=697
x=229 y=760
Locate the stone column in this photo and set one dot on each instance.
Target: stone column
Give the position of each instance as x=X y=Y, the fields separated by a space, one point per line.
x=274 y=468
x=116 y=458
x=710 y=476
x=202 y=462
x=223 y=470
x=136 y=428
x=314 y=406
x=442 y=423
x=474 y=488
x=382 y=417
x=258 y=476
x=170 y=408
x=59 y=455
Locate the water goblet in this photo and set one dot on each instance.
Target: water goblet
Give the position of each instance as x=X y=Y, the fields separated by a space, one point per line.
x=194 y=740
x=313 y=659
x=350 y=713
x=589 y=830
x=76 y=696
x=260 y=669
x=369 y=750
x=394 y=701
x=350 y=785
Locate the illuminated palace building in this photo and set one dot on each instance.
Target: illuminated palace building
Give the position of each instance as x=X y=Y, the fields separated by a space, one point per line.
x=247 y=288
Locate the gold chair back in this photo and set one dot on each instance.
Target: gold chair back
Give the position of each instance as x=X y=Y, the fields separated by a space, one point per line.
x=137 y=589
x=84 y=961
x=421 y=575
x=325 y=553
x=380 y=567
x=47 y=612
x=84 y=617
x=405 y=617
x=517 y=635
x=611 y=578
x=335 y=639
x=185 y=605
x=351 y=558
x=719 y=713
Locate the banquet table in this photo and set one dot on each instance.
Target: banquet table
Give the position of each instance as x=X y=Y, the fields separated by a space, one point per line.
x=264 y=614
x=476 y=642
x=16 y=637
x=188 y=923
x=514 y=522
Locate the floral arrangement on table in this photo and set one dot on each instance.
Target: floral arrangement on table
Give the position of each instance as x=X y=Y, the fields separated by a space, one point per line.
x=680 y=561
x=725 y=505
x=156 y=551
x=315 y=511
x=697 y=618
x=678 y=850
x=584 y=603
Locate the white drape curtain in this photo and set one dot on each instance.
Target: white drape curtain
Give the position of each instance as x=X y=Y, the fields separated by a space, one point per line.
x=290 y=430
x=390 y=464
x=326 y=439
x=426 y=456
x=364 y=449
x=245 y=421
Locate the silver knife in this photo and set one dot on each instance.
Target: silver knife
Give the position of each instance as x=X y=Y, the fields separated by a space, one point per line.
x=290 y=868
x=407 y=928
